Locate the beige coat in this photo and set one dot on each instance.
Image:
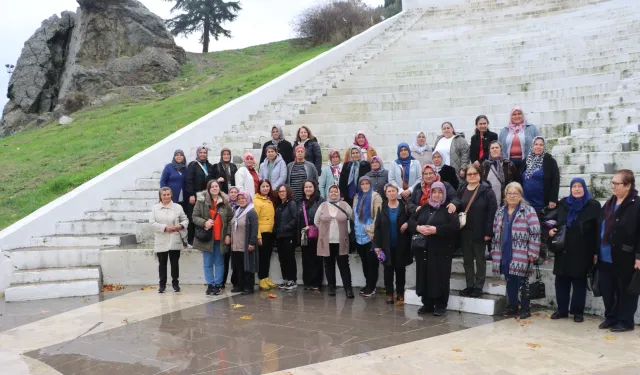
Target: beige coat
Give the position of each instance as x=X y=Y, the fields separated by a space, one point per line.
x=160 y=217
x=323 y=221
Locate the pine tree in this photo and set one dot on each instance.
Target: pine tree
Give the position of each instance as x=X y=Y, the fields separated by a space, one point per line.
x=206 y=16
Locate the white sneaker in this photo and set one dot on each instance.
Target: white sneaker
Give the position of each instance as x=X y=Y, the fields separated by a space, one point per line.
x=291 y=286
x=283 y=285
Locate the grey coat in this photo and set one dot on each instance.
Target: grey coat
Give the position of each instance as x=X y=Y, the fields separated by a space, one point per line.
x=278 y=174
x=459 y=152
x=250 y=238
x=530 y=132
x=201 y=215
x=378 y=180
x=312 y=173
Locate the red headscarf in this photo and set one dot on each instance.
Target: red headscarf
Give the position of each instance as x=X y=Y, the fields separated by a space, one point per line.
x=366 y=142
x=426 y=189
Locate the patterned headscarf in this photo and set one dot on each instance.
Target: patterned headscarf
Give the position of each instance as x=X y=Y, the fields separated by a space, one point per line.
x=242 y=211
x=516 y=128
x=335 y=169
x=280 y=135
x=534 y=161
x=364 y=201
x=497 y=163
x=198 y=152
x=426 y=189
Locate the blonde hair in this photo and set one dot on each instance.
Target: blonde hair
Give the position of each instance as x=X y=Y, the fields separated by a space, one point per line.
x=517 y=187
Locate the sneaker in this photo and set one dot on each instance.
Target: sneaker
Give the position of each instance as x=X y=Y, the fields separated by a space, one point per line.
x=557 y=315
x=236 y=289
x=332 y=291
x=510 y=311
x=161 y=289
x=425 y=310
x=290 y=286
x=368 y=293
x=476 y=293
x=216 y=290
x=440 y=311
x=263 y=285
x=466 y=292
x=283 y=285
x=271 y=284
x=209 y=289
x=314 y=288
x=524 y=314
x=363 y=290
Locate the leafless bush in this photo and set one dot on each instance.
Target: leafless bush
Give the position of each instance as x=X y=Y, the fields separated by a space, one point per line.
x=74 y=102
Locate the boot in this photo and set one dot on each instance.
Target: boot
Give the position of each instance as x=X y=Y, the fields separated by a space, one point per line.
x=264 y=285
x=349 y=292
x=176 y=286
x=271 y=284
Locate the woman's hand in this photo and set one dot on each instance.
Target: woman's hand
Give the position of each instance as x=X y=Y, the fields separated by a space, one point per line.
x=259 y=241
x=451 y=208
x=251 y=247
x=422 y=229
x=553 y=232
x=552 y=204
x=487 y=238
x=227 y=240
x=404 y=227
x=192 y=199
x=532 y=259
x=405 y=194
x=220 y=179
x=377 y=250
x=462 y=174
x=208 y=224
x=595 y=259
x=637 y=266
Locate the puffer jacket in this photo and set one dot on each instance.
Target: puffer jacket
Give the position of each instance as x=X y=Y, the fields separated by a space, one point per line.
x=278 y=174
x=286 y=220
x=266 y=214
x=379 y=179
x=201 y=215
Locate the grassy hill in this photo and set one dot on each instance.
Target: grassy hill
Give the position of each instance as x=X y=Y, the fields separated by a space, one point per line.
x=40 y=165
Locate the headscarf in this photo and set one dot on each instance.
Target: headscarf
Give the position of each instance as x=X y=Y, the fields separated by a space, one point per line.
x=280 y=135
x=366 y=142
x=534 y=161
x=417 y=148
x=246 y=156
x=426 y=189
x=233 y=204
x=179 y=166
x=226 y=166
x=438 y=185
x=497 y=163
x=200 y=148
x=353 y=173
x=296 y=149
x=379 y=160
x=405 y=163
x=576 y=204
x=444 y=161
x=329 y=199
x=335 y=169
x=364 y=201
x=516 y=128
x=242 y=211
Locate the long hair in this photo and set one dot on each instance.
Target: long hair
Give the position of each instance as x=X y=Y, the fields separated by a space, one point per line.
x=308 y=132
x=277 y=201
x=211 y=182
x=314 y=196
x=270 y=194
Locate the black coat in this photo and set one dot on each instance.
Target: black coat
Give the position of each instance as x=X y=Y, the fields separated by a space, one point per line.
x=218 y=171
x=625 y=235
x=448 y=174
x=551 y=175
x=416 y=195
x=343 y=184
x=382 y=236
x=286 y=220
x=196 y=180
x=474 y=147
x=311 y=212
x=284 y=149
x=481 y=212
x=313 y=154
x=582 y=240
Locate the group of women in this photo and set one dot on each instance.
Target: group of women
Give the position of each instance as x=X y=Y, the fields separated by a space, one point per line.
x=494 y=191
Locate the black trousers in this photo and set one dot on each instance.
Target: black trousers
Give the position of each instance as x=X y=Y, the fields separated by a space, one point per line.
x=173 y=256
x=264 y=260
x=343 y=266
x=370 y=264
x=245 y=280
x=619 y=306
x=191 y=228
x=439 y=303
x=312 y=268
x=287 y=258
x=473 y=253
x=400 y=274
x=563 y=294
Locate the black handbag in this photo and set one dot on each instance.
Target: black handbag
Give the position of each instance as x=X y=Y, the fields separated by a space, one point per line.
x=548 y=214
x=352 y=229
x=558 y=241
x=534 y=290
x=592 y=280
x=203 y=234
x=634 y=285
x=418 y=242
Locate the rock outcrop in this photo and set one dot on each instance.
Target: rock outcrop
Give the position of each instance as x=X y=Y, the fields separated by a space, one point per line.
x=79 y=57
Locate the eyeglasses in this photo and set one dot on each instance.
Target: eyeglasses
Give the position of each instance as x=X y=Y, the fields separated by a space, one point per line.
x=472 y=174
x=617 y=184
x=513 y=194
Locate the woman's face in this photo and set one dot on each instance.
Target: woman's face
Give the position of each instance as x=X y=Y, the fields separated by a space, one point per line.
x=335 y=159
x=374 y=164
x=538 y=146
x=165 y=196
x=618 y=187
x=300 y=154
x=282 y=193
x=233 y=194
x=516 y=117
x=404 y=153
x=391 y=193
x=242 y=201
x=250 y=162
x=365 y=186
x=226 y=156
x=355 y=154
x=513 y=197
x=437 y=159
x=179 y=158
x=447 y=131
x=437 y=195
x=214 y=189
x=334 y=194
x=264 y=189
x=303 y=134
x=428 y=176
x=473 y=177
x=361 y=139
x=275 y=134
x=495 y=151
x=309 y=189
x=202 y=154
x=421 y=140
x=576 y=190
x=271 y=154
x=482 y=125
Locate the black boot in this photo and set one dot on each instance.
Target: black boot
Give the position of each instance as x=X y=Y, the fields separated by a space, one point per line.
x=209 y=290
x=349 y=292
x=176 y=286
x=162 y=288
x=332 y=290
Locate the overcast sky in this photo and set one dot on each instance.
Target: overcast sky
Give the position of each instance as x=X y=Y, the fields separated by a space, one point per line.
x=259 y=22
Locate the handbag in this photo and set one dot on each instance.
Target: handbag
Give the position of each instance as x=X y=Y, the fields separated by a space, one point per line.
x=534 y=290
x=352 y=229
x=634 y=285
x=419 y=240
x=548 y=214
x=557 y=241
x=205 y=235
x=312 y=232
x=592 y=281
x=462 y=216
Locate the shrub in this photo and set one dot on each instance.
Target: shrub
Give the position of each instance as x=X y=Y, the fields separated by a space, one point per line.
x=75 y=101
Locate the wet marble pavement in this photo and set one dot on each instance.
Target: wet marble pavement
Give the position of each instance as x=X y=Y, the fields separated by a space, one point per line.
x=247 y=335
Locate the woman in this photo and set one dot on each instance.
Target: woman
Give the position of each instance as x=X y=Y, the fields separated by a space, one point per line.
x=479 y=202
x=378 y=175
x=273 y=168
x=366 y=205
x=580 y=215
x=174 y=176
x=405 y=172
x=298 y=171
x=422 y=191
x=283 y=147
x=540 y=177
x=247 y=176
x=312 y=270
x=515 y=247
x=233 y=203
x=286 y=232
x=366 y=152
x=619 y=256
x=330 y=173
x=313 y=154
x=421 y=151
x=351 y=173
x=453 y=148
x=263 y=205
x=517 y=138
x=213 y=212
x=433 y=262
x=199 y=172
x=480 y=141
x=499 y=171
x=391 y=237
x=167 y=220
x=332 y=219
x=446 y=172
x=225 y=171
x=244 y=244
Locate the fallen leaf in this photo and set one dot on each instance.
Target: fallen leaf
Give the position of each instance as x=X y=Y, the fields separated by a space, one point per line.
x=44 y=311
x=147 y=287
x=610 y=338
x=246 y=317
x=548 y=315
x=272 y=296
x=237 y=305
x=458 y=358
x=457 y=350
x=536 y=314
x=112 y=287
x=534 y=345
x=125 y=321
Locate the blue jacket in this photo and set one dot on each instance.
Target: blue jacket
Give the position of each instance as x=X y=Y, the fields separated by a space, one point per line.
x=279 y=173
x=174 y=180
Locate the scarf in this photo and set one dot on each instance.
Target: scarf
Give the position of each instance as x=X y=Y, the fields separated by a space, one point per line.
x=333 y=200
x=280 y=135
x=377 y=172
x=534 y=161
x=438 y=185
x=226 y=167
x=233 y=203
x=436 y=168
x=179 y=166
x=198 y=153
x=426 y=189
x=609 y=213
x=335 y=169
x=497 y=165
x=242 y=211
x=419 y=149
x=517 y=128
x=364 y=148
x=404 y=163
x=364 y=202
x=577 y=204
x=353 y=173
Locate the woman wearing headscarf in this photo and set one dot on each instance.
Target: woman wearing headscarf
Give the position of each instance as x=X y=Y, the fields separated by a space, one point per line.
x=287 y=235
x=298 y=171
x=244 y=244
x=515 y=247
x=619 y=256
x=330 y=173
x=453 y=148
x=479 y=148
x=265 y=209
x=283 y=147
x=366 y=151
x=499 y=171
x=313 y=153
x=378 y=175
x=422 y=191
x=312 y=269
x=365 y=207
x=580 y=215
x=233 y=203
x=517 y=138
x=225 y=171
x=199 y=172
x=391 y=238
x=174 y=176
x=351 y=173
x=446 y=172
x=433 y=262
x=247 y=176
x=273 y=168
x=332 y=219
x=405 y=172
x=421 y=151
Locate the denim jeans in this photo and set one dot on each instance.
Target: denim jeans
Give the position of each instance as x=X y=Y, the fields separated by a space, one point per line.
x=211 y=260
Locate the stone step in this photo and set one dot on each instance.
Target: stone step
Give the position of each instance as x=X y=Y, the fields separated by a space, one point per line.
x=622 y=160
x=87 y=227
x=137 y=216
x=492 y=285
x=40 y=275
x=485 y=305
x=141 y=194
x=119 y=204
x=457 y=267
x=148 y=184
x=604 y=146
x=576 y=139
x=50 y=257
x=97 y=240
x=571 y=169
x=54 y=289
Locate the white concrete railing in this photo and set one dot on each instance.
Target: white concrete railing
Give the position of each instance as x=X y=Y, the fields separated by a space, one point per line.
x=89 y=195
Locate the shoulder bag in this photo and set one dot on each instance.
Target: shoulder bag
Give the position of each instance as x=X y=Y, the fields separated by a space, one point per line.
x=462 y=216
x=558 y=241
x=419 y=240
x=205 y=235
x=311 y=233
x=534 y=290
x=206 y=174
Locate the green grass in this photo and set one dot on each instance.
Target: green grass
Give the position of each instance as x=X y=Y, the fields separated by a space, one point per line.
x=40 y=165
